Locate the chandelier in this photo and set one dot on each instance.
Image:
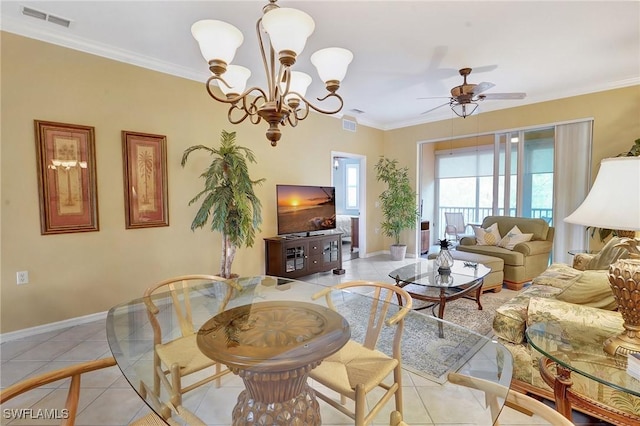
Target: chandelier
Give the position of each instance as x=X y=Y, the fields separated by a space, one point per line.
x=283 y=99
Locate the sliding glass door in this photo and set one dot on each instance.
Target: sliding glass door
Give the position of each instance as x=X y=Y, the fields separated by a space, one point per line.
x=511 y=176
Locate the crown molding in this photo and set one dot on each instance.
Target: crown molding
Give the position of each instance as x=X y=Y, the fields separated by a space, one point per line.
x=37 y=32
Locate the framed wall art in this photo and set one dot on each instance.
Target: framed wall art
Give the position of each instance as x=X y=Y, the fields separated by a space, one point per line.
x=145 y=180
x=66 y=177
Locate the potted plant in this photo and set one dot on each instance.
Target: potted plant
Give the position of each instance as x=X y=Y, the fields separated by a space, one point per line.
x=398 y=203
x=228 y=197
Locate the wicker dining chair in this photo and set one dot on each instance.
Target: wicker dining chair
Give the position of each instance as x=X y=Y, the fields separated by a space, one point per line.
x=180 y=357
x=75 y=372
x=493 y=391
x=359 y=368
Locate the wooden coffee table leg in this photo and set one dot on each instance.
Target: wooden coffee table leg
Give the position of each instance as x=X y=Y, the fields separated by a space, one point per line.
x=478 y=294
x=441 y=304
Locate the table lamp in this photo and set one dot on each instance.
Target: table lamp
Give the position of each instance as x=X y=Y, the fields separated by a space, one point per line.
x=614 y=203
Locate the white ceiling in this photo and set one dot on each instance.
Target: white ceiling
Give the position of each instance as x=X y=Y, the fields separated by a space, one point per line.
x=403 y=50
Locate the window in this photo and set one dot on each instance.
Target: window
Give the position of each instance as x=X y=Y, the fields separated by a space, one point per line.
x=352 y=199
x=520 y=183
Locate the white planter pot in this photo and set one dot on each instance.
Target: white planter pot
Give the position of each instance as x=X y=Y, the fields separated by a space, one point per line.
x=398 y=251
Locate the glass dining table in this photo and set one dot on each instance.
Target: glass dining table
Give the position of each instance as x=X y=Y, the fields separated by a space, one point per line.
x=304 y=328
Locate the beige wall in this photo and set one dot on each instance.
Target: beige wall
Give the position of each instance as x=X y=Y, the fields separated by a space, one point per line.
x=83 y=273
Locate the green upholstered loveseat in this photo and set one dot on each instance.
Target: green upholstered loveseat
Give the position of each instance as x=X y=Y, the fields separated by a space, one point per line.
x=564 y=293
x=527 y=259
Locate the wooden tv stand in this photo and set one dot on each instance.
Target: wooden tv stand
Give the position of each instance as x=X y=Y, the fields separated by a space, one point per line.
x=294 y=257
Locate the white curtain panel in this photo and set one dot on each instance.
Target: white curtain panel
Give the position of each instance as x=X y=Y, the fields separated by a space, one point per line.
x=571 y=186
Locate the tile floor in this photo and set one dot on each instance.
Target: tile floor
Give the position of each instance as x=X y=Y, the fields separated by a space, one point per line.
x=108 y=399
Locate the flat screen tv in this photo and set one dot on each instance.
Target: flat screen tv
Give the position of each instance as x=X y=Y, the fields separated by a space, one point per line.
x=305 y=209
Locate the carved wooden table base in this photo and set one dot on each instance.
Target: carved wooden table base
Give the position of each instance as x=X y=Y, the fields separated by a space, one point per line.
x=565 y=398
x=273 y=346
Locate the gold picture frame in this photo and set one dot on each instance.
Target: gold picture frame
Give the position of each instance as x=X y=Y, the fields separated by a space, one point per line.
x=145 y=180
x=66 y=177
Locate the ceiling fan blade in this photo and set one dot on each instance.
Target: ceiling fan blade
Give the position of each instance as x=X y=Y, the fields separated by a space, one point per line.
x=485 y=68
x=437 y=97
x=514 y=95
x=482 y=87
x=433 y=109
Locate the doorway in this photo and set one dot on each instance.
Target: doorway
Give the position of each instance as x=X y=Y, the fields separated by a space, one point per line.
x=348 y=176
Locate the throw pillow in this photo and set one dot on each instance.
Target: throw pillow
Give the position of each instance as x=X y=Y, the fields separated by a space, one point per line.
x=513 y=237
x=487 y=237
x=592 y=288
x=608 y=255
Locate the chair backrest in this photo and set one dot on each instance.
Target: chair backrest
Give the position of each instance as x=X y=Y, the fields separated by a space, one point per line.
x=180 y=289
x=74 y=372
x=455 y=219
x=384 y=296
x=494 y=390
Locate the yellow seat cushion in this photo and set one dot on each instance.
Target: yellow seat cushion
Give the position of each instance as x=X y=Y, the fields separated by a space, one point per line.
x=353 y=365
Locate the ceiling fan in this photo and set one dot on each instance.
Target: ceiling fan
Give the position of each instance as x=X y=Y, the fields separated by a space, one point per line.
x=464 y=98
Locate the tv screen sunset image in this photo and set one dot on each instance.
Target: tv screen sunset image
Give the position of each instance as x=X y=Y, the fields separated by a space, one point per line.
x=305 y=208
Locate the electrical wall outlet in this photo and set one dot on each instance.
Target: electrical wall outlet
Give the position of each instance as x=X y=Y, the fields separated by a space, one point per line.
x=22 y=277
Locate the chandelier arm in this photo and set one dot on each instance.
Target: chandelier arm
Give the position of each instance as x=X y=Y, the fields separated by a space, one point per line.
x=330 y=95
x=233 y=99
x=300 y=114
x=284 y=74
x=268 y=69
x=239 y=120
x=252 y=107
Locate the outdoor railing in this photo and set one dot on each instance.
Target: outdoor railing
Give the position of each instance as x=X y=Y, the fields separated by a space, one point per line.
x=475 y=215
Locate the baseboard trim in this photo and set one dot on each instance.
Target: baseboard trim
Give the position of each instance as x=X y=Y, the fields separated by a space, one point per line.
x=32 y=331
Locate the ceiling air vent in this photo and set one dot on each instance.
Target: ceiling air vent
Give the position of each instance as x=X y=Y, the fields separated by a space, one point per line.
x=60 y=21
x=27 y=11
x=349 y=125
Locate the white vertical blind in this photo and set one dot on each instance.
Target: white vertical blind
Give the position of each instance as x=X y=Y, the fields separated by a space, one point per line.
x=571 y=185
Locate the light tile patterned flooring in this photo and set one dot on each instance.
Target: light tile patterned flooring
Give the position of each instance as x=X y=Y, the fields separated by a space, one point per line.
x=108 y=399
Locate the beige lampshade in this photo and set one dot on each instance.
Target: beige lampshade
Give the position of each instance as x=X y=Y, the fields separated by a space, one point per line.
x=236 y=76
x=299 y=83
x=288 y=28
x=217 y=40
x=332 y=63
x=614 y=199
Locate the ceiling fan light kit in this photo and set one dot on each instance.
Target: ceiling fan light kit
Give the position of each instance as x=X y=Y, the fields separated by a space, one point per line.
x=464 y=98
x=283 y=101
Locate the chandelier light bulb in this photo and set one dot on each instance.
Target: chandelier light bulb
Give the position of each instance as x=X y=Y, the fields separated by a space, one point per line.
x=299 y=83
x=236 y=76
x=332 y=63
x=218 y=40
x=288 y=29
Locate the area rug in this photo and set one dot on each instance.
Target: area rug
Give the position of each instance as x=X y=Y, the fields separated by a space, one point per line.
x=423 y=351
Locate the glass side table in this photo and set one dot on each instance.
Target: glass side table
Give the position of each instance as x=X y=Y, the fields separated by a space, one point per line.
x=576 y=349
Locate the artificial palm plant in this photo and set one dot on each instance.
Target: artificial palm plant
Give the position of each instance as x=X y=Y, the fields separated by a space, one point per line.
x=228 y=197
x=398 y=200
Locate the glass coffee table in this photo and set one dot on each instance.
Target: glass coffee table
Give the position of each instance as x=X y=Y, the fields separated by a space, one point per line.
x=570 y=347
x=423 y=282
